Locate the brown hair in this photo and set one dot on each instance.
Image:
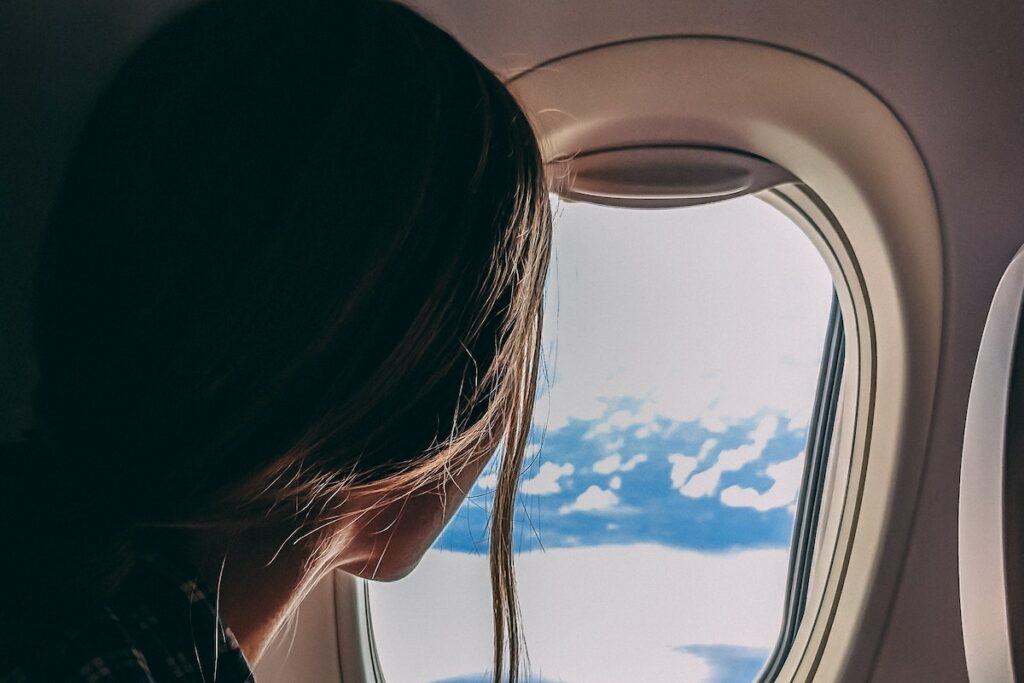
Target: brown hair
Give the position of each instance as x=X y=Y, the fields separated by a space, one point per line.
x=299 y=251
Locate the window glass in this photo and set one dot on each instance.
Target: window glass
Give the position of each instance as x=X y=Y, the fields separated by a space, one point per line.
x=682 y=349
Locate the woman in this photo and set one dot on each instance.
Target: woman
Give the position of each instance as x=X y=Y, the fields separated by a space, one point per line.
x=289 y=305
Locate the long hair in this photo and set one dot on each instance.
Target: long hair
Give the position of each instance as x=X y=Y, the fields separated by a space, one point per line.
x=299 y=250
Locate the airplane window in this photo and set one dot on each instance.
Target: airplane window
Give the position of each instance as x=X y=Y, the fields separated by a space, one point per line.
x=683 y=352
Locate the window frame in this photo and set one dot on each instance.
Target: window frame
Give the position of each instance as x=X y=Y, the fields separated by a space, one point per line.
x=990 y=514
x=867 y=191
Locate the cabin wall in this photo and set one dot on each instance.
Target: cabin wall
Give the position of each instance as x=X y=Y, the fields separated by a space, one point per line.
x=949 y=70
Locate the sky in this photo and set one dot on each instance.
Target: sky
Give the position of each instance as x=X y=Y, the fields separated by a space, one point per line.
x=681 y=354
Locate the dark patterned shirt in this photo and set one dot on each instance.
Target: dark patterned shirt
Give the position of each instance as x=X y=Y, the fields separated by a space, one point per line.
x=162 y=625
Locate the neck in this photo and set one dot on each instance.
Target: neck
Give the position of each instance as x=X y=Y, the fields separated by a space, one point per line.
x=259 y=580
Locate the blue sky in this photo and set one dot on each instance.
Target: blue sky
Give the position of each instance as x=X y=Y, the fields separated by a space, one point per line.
x=681 y=354
x=632 y=494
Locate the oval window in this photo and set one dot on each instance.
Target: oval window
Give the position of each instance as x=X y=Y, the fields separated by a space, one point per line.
x=682 y=352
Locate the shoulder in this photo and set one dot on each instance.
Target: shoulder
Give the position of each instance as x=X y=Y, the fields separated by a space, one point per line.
x=161 y=626
x=99 y=649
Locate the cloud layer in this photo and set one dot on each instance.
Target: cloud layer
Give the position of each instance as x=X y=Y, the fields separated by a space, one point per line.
x=591 y=615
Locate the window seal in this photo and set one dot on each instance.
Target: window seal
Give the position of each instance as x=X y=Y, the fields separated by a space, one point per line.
x=806 y=525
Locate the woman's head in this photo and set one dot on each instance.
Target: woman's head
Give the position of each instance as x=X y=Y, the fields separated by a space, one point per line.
x=297 y=260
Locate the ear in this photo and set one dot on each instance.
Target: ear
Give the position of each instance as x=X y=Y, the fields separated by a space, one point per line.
x=387 y=543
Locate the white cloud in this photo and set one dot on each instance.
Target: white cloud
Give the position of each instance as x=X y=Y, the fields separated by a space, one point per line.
x=705 y=483
x=631 y=464
x=546 y=481
x=646 y=430
x=488 y=481
x=786 y=476
x=713 y=422
x=594 y=499
x=682 y=467
x=705 y=449
x=613 y=463
x=435 y=624
x=607 y=465
x=765 y=430
x=615 y=483
x=621 y=419
x=612 y=444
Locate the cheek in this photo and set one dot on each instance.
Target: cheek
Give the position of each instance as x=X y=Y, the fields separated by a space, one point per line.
x=389 y=545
